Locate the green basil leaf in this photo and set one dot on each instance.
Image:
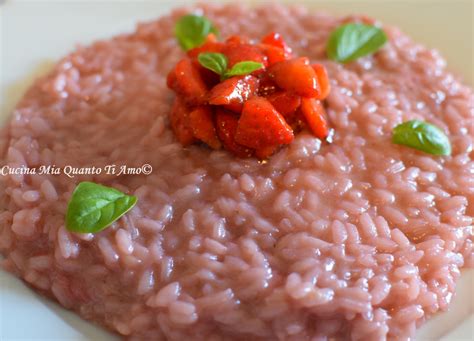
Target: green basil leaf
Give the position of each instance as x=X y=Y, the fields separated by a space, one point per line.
x=93 y=207
x=216 y=62
x=422 y=136
x=352 y=41
x=243 y=68
x=191 y=31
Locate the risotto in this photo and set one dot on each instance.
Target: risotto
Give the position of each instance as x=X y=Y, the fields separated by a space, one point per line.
x=359 y=238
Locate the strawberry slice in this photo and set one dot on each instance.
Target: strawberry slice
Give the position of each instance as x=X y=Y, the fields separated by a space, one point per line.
x=260 y=125
x=236 y=52
x=189 y=83
x=200 y=120
x=234 y=90
x=179 y=119
x=285 y=103
x=314 y=114
x=274 y=54
x=296 y=75
x=267 y=85
x=323 y=80
x=226 y=123
x=276 y=40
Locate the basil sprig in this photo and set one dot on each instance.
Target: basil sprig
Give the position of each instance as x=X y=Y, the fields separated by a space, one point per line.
x=422 y=136
x=191 y=30
x=352 y=41
x=218 y=63
x=93 y=207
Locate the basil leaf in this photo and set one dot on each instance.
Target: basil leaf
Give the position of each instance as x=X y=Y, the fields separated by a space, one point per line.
x=93 y=207
x=422 y=136
x=352 y=41
x=243 y=68
x=191 y=31
x=216 y=62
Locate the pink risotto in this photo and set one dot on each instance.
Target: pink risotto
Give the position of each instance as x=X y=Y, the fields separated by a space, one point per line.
x=356 y=239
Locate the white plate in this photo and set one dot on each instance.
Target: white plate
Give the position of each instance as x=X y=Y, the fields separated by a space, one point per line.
x=35 y=33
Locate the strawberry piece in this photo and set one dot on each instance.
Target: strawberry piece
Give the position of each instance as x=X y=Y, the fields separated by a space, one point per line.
x=210 y=45
x=200 y=120
x=234 y=107
x=236 y=53
x=296 y=75
x=267 y=85
x=226 y=124
x=189 y=83
x=285 y=103
x=274 y=54
x=260 y=125
x=323 y=80
x=209 y=77
x=314 y=114
x=276 y=40
x=179 y=119
x=234 y=90
x=171 y=79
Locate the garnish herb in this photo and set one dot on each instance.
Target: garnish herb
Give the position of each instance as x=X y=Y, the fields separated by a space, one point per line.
x=422 y=136
x=191 y=31
x=243 y=68
x=352 y=41
x=218 y=63
x=93 y=207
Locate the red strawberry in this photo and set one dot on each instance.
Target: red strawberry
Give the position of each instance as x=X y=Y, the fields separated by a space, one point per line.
x=277 y=40
x=296 y=75
x=260 y=125
x=189 y=83
x=235 y=90
x=226 y=124
x=200 y=120
x=313 y=112
x=274 y=54
x=323 y=81
x=285 y=103
x=179 y=119
x=236 y=53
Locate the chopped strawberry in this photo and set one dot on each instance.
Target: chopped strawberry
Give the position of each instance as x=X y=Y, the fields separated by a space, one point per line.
x=200 y=119
x=189 y=82
x=179 y=119
x=274 y=54
x=226 y=124
x=314 y=114
x=285 y=103
x=235 y=90
x=243 y=52
x=276 y=40
x=171 y=79
x=210 y=45
x=323 y=80
x=260 y=125
x=209 y=77
x=267 y=85
x=234 y=107
x=296 y=75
